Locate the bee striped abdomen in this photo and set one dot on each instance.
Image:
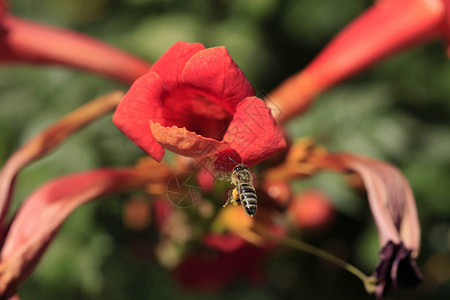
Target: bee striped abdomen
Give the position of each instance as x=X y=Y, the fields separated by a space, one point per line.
x=244 y=193
x=247 y=195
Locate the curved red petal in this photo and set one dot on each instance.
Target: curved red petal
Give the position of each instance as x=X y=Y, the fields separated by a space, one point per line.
x=213 y=72
x=47 y=140
x=43 y=212
x=226 y=160
x=32 y=42
x=253 y=132
x=142 y=103
x=3 y=7
x=171 y=64
x=186 y=143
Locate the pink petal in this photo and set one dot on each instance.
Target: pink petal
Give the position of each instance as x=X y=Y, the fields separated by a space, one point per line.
x=48 y=140
x=391 y=201
x=213 y=73
x=170 y=66
x=142 y=103
x=42 y=214
x=253 y=132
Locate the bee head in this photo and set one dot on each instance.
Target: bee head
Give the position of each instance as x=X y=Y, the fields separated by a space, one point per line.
x=239 y=167
x=240 y=174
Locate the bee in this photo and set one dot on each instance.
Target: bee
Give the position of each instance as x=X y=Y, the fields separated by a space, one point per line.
x=244 y=193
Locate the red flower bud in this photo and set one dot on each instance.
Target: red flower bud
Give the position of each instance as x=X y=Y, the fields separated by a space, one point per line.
x=311 y=210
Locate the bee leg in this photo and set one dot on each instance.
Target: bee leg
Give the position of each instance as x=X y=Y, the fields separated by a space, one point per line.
x=230 y=197
x=235 y=197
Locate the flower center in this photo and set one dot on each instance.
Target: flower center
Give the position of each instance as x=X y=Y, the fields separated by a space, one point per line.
x=197 y=113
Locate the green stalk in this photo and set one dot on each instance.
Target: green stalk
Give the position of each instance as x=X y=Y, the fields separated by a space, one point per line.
x=368 y=281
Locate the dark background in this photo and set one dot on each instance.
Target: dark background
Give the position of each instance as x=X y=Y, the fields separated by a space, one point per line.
x=397 y=111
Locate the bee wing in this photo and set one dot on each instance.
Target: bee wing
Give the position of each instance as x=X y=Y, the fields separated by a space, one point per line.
x=222 y=175
x=220 y=171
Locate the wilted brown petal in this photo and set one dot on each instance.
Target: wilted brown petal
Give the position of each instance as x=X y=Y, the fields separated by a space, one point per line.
x=41 y=215
x=391 y=201
x=304 y=158
x=395 y=268
x=394 y=210
x=48 y=140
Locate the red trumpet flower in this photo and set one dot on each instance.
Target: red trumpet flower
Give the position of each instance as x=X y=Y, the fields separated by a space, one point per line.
x=43 y=213
x=197 y=102
x=23 y=41
x=24 y=240
x=384 y=29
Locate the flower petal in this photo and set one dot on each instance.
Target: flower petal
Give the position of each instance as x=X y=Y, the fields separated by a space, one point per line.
x=42 y=213
x=253 y=132
x=303 y=158
x=394 y=211
x=48 y=140
x=391 y=201
x=170 y=65
x=142 y=103
x=213 y=72
x=186 y=143
x=395 y=268
x=27 y=41
x=3 y=7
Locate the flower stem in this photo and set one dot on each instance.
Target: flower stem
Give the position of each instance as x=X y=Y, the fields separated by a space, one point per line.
x=368 y=281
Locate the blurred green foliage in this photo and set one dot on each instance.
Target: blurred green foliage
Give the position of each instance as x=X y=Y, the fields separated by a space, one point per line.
x=398 y=111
